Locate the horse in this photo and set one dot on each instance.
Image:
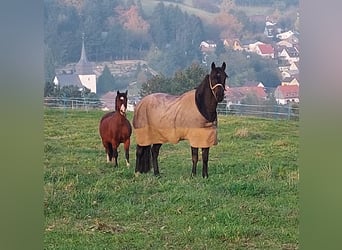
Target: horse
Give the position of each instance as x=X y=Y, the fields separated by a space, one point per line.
x=162 y=118
x=114 y=128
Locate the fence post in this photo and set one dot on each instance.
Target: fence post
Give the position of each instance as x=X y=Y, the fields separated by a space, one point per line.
x=64 y=104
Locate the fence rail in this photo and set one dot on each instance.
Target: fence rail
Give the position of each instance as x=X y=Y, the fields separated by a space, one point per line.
x=289 y=111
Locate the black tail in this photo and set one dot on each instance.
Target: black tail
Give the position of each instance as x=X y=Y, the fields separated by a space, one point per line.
x=143 y=159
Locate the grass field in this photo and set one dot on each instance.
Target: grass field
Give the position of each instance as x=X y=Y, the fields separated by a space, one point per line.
x=207 y=17
x=249 y=201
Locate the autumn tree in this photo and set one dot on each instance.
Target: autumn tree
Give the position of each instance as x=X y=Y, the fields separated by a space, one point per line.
x=226 y=21
x=130 y=19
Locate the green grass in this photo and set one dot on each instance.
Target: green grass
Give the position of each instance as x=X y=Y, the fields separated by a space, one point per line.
x=207 y=17
x=249 y=201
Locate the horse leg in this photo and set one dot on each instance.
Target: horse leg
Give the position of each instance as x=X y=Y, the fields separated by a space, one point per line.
x=143 y=159
x=115 y=153
x=194 y=157
x=126 y=147
x=205 y=158
x=155 y=152
x=109 y=151
x=138 y=154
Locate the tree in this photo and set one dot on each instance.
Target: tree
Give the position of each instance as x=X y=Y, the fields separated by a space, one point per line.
x=242 y=66
x=50 y=89
x=227 y=22
x=49 y=63
x=105 y=82
x=62 y=31
x=181 y=82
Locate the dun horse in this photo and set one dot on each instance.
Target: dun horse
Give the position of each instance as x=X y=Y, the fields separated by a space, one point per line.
x=114 y=129
x=160 y=118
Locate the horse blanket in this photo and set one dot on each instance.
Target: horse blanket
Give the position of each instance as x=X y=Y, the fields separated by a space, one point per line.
x=161 y=118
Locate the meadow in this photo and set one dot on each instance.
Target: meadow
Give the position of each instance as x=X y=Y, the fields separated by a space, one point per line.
x=249 y=201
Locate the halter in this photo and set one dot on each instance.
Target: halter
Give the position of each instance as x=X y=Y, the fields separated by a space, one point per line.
x=212 y=88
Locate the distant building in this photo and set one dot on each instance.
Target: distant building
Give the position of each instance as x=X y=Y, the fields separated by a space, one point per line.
x=265 y=50
x=236 y=95
x=232 y=43
x=82 y=75
x=208 y=46
x=285 y=35
x=285 y=94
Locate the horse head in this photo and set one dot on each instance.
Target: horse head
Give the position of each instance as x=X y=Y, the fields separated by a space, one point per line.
x=217 y=81
x=121 y=102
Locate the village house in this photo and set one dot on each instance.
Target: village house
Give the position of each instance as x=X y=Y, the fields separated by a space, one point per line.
x=234 y=44
x=294 y=68
x=285 y=94
x=65 y=79
x=289 y=54
x=285 y=35
x=237 y=95
x=208 y=46
x=282 y=44
x=265 y=50
x=251 y=46
x=253 y=84
x=292 y=80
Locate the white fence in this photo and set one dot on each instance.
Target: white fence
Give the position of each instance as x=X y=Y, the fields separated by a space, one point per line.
x=289 y=111
x=268 y=111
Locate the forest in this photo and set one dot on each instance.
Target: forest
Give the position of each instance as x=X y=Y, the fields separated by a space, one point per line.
x=163 y=34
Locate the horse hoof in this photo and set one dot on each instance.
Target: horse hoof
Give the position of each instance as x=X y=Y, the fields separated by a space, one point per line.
x=136 y=174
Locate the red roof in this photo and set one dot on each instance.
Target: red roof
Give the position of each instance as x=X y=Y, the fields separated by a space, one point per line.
x=266 y=49
x=288 y=91
x=236 y=94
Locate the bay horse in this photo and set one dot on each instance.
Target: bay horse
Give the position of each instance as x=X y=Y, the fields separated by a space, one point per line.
x=160 y=118
x=114 y=129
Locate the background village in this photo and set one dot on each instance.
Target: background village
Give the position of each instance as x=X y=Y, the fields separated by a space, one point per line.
x=85 y=73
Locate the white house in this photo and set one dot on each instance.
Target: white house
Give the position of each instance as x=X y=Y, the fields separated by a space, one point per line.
x=289 y=54
x=285 y=35
x=208 y=46
x=286 y=94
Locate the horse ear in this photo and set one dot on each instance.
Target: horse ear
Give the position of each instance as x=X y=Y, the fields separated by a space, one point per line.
x=224 y=66
x=213 y=66
x=117 y=92
x=126 y=91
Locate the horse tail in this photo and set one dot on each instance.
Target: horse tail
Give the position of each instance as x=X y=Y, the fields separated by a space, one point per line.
x=143 y=159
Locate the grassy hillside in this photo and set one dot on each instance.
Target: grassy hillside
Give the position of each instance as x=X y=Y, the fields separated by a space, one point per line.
x=250 y=199
x=187 y=5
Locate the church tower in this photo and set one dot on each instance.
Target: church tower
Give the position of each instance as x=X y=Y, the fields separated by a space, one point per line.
x=85 y=70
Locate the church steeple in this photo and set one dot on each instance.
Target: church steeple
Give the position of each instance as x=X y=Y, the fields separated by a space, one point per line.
x=83 y=53
x=83 y=67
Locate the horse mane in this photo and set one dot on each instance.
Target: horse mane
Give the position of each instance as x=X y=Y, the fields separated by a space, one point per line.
x=205 y=101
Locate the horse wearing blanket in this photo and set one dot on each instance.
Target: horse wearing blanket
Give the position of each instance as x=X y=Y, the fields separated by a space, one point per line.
x=160 y=118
